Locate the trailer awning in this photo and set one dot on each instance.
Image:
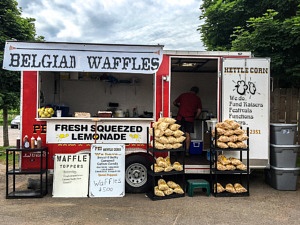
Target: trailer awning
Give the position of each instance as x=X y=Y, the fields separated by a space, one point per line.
x=76 y=57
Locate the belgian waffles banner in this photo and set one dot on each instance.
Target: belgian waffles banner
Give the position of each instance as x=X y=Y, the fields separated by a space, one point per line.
x=74 y=57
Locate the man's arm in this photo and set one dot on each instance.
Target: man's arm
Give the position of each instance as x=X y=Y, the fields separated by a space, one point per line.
x=198 y=113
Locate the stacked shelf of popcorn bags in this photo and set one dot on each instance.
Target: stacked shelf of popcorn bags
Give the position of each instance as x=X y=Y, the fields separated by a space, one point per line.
x=167 y=173
x=228 y=134
x=228 y=138
x=167 y=134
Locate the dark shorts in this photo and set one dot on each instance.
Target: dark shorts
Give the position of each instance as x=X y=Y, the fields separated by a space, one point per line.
x=186 y=126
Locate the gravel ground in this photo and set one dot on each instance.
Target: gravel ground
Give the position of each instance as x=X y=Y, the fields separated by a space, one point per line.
x=265 y=205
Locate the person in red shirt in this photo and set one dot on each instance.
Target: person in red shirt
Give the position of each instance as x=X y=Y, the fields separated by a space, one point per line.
x=190 y=107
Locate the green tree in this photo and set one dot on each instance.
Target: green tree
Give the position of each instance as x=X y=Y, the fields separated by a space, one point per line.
x=267 y=28
x=12 y=26
x=279 y=40
x=220 y=17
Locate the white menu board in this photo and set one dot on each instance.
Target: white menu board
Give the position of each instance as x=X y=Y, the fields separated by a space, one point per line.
x=71 y=175
x=107 y=170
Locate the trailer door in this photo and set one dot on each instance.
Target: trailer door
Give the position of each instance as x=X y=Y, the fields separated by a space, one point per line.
x=245 y=99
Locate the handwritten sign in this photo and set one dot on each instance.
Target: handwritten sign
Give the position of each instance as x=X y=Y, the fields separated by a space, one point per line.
x=107 y=170
x=71 y=175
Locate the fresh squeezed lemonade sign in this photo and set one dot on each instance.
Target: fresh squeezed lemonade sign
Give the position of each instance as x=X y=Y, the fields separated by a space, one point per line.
x=107 y=170
x=245 y=94
x=63 y=131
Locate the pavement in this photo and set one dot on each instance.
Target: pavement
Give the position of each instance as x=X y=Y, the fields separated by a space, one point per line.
x=265 y=205
x=12 y=135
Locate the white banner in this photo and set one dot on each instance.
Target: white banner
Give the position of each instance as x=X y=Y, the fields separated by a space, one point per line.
x=107 y=170
x=71 y=175
x=76 y=131
x=245 y=97
x=72 y=57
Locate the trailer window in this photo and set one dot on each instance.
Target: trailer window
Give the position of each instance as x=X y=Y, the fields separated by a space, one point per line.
x=93 y=92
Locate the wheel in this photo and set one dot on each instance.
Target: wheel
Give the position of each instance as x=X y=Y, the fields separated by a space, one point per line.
x=136 y=174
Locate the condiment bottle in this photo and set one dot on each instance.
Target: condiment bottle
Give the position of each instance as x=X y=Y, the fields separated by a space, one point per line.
x=26 y=142
x=39 y=142
x=18 y=144
x=32 y=142
x=134 y=112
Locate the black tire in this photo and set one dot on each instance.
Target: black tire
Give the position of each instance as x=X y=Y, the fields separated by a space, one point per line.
x=136 y=177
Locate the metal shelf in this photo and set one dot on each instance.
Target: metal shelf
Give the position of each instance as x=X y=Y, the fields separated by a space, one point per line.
x=42 y=171
x=166 y=150
x=173 y=172
x=215 y=172
x=179 y=175
x=33 y=171
x=228 y=194
x=27 y=194
x=154 y=197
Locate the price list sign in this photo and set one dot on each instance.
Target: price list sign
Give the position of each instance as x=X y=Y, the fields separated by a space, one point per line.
x=107 y=170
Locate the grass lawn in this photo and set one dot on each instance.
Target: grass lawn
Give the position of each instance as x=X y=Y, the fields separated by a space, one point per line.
x=11 y=115
x=3 y=156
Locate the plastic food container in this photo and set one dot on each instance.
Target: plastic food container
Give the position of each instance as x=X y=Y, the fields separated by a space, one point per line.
x=104 y=113
x=211 y=124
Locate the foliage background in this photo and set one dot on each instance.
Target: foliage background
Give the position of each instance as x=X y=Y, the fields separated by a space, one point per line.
x=267 y=28
x=12 y=27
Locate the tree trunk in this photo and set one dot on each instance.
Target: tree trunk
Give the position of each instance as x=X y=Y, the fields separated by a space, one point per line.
x=5 y=128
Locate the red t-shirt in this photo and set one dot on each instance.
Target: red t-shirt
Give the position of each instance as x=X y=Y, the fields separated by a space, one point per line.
x=188 y=105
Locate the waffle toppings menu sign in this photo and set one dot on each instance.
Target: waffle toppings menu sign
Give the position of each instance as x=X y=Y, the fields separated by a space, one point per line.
x=107 y=170
x=71 y=175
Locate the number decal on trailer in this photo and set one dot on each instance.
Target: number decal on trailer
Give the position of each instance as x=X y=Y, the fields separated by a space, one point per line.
x=254 y=132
